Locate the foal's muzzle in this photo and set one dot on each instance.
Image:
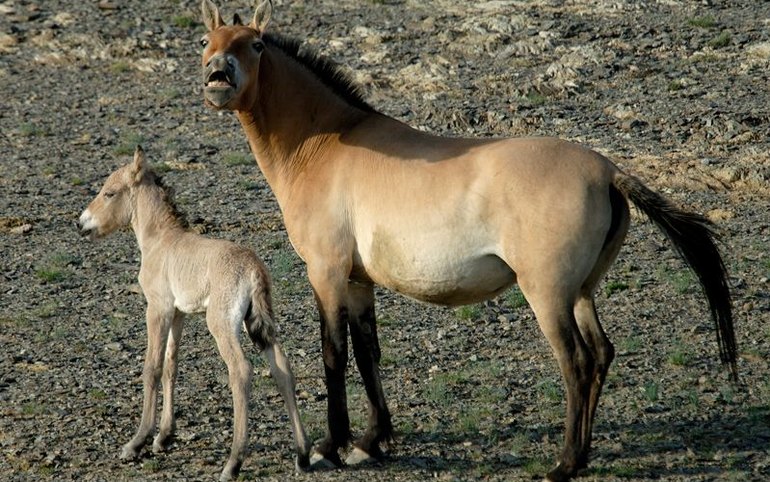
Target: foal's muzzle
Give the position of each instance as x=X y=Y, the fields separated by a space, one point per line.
x=219 y=80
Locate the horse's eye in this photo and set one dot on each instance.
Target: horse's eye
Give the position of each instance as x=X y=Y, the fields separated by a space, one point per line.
x=109 y=194
x=258 y=46
x=204 y=42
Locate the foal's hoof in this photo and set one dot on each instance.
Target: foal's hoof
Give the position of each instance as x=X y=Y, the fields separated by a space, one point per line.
x=128 y=453
x=359 y=457
x=319 y=462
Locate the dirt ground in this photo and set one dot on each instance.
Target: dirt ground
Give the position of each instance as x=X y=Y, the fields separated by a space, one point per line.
x=674 y=91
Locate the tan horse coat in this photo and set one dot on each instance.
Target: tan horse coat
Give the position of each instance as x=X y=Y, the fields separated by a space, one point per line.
x=182 y=272
x=368 y=200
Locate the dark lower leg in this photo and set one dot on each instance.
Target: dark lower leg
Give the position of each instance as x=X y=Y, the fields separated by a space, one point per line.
x=366 y=349
x=335 y=355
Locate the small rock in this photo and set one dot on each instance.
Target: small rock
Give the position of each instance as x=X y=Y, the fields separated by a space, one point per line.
x=115 y=346
x=23 y=229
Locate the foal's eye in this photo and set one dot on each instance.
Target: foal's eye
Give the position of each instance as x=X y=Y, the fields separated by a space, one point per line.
x=258 y=46
x=109 y=194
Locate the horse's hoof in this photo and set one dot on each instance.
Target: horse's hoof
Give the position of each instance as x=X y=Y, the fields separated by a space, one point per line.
x=359 y=457
x=128 y=453
x=302 y=464
x=319 y=462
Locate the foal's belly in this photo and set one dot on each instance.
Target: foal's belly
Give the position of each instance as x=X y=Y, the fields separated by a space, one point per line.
x=443 y=280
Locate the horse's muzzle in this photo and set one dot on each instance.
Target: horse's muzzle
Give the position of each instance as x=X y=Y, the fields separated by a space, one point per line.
x=219 y=84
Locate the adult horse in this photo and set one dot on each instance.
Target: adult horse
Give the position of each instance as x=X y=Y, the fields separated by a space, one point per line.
x=368 y=200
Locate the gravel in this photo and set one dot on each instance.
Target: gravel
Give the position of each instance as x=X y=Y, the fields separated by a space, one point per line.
x=675 y=92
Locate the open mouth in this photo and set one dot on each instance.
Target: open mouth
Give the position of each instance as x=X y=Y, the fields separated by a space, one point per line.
x=219 y=78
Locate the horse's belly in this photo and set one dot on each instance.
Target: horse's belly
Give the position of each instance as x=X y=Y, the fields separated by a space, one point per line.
x=444 y=281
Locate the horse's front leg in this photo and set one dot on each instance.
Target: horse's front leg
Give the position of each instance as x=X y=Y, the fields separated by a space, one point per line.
x=366 y=349
x=331 y=295
x=170 y=369
x=158 y=324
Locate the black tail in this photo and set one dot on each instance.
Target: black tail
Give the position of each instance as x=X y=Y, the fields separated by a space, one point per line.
x=693 y=238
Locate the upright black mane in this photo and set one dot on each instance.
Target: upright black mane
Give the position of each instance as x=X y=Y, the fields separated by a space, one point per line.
x=326 y=70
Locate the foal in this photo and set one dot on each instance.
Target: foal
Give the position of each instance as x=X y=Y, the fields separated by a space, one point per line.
x=182 y=272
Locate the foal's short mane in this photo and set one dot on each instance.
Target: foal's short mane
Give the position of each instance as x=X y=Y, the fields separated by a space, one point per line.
x=327 y=71
x=168 y=198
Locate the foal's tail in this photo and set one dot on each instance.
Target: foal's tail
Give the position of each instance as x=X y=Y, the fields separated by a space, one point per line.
x=259 y=315
x=693 y=238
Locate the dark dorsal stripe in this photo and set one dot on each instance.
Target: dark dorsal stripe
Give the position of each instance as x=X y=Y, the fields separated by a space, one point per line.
x=326 y=70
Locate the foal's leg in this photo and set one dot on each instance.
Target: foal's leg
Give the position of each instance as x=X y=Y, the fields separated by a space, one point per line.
x=167 y=421
x=366 y=349
x=557 y=322
x=159 y=321
x=239 y=372
x=603 y=352
x=280 y=369
x=331 y=294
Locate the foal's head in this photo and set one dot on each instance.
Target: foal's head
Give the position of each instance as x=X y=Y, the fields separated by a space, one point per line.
x=231 y=55
x=114 y=205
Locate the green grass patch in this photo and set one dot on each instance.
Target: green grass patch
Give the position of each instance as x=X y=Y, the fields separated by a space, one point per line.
x=630 y=344
x=536 y=466
x=33 y=408
x=127 y=143
x=184 y=21
x=675 y=85
x=28 y=129
x=515 y=298
x=705 y=21
x=680 y=355
x=651 y=391
x=469 y=312
x=55 y=268
x=615 y=286
x=536 y=98
x=120 y=67
x=720 y=41
x=97 y=394
x=237 y=159
x=550 y=390
x=282 y=263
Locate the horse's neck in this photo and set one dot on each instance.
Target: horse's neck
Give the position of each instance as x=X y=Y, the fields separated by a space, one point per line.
x=153 y=219
x=294 y=119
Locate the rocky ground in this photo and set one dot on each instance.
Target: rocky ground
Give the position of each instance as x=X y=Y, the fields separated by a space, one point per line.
x=674 y=91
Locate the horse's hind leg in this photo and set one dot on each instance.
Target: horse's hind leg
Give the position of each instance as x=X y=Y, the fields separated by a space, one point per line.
x=603 y=353
x=167 y=421
x=239 y=374
x=557 y=321
x=366 y=349
x=158 y=323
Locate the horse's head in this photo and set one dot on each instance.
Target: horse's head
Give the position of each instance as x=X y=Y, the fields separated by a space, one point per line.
x=231 y=56
x=112 y=208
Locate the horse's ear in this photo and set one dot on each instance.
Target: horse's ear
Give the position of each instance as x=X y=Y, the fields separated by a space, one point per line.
x=237 y=19
x=137 y=168
x=262 y=16
x=211 y=17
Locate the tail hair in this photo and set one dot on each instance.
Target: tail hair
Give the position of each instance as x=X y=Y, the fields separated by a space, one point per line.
x=259 y=316
x=693 y=237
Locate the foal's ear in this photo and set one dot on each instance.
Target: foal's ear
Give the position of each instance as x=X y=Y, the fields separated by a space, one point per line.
x=211 y=17
x=137 y=168
x=262 y=16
